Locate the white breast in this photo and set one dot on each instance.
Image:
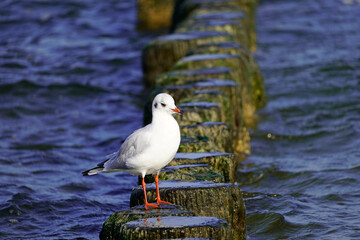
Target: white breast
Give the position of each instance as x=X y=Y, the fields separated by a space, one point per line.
x=163 y=140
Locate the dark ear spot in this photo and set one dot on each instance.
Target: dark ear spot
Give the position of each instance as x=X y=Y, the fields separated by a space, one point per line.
x=155 y=105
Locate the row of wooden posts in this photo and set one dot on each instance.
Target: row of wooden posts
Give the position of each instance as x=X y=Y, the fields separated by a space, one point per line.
x=206 y=64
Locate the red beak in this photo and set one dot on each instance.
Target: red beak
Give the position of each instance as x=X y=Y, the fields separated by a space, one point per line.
x=176 y=110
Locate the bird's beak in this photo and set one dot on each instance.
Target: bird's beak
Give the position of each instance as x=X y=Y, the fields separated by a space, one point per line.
x=176 y=110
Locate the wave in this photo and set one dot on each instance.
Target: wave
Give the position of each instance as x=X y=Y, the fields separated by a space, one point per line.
x=69 y=88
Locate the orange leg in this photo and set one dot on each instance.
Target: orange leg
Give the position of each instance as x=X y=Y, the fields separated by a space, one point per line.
x=158 y=200
x=147 y=205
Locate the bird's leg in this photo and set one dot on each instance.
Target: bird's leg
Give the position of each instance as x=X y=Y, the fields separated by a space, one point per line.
x=147 y=205
x=158 y=200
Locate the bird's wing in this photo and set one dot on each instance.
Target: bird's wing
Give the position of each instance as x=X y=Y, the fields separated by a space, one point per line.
x=111 y=155
x=134 y=145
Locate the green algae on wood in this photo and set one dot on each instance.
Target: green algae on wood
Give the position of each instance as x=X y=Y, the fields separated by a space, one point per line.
x=232 y=21
x=218 y=137
x=207 y=61
x=212 y=108
x=229 y=112
x=258 y=89
x=232 y=115
x=224 y=92
x=174 y=227
x=196 y=144
x=229 y=88
x=226 y=12
x=259 y=96
x=111 y=227
x=159 y=55
x=154 y=14
x=192 y=172
x=219 y=47
x=222 y=200
x=187 y=8
x=198 y=112
x=187 y=172
x=238 y=65
x=241 y=71
x=181 y=77
x=232 y=27
x=224 y=162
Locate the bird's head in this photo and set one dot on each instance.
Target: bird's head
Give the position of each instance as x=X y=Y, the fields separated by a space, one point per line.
x=163 y=102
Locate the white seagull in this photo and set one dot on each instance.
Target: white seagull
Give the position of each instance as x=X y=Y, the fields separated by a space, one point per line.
x=148 y=149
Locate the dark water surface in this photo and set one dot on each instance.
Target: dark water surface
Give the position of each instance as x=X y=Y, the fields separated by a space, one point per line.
x=71 y=91
x=305 y=166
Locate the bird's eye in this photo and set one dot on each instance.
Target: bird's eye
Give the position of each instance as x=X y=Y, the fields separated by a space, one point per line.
x=163 y=104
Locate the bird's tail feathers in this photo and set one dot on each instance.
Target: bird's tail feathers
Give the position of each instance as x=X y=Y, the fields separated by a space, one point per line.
x=98 y=169
x=93 y=171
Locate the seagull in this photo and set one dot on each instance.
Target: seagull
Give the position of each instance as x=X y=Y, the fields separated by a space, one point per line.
x=147 y=149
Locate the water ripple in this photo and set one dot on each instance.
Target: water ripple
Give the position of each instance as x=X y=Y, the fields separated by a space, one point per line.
x=306 y=148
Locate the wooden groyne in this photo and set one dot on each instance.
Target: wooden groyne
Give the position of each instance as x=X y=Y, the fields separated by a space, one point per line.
x=206 y=64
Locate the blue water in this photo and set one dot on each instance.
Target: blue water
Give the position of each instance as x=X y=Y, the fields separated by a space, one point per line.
x=304 y=173
x=71 y=91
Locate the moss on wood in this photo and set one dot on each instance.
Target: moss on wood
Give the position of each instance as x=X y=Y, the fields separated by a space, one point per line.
x=223 y=200
x=220 y=47
x=159 y=55
x=216 y=135
x=233 y=27
x=258 y=89
x=208 y=18
x=181 y=77
x=191 y=7
x=111 y=227
x=176 y=228
x=192 y=172
x=241 y=70
x=187 y=172
x=224 y=162
x=154 y=14
x=223 y=92
x=198 y=112
x=229 y=112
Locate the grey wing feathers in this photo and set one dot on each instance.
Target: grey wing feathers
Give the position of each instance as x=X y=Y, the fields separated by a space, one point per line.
x=100 y=167
x=111 y=155
x=134 y=145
